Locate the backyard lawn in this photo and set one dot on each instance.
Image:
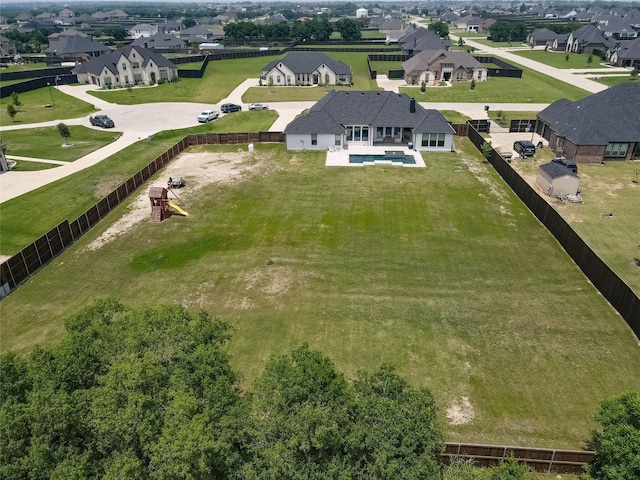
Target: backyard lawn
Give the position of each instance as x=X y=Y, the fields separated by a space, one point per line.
x=47 y=143
x=439 y=271
x=611 y=80
x=610 y=188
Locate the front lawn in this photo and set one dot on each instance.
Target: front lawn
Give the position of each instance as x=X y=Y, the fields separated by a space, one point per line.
x=533 y=87
x=47 y=143
x=34 y=110
x=559 y=59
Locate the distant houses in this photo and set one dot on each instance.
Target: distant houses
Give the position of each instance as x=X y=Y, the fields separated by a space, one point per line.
x=307 y=68
x=433 y=66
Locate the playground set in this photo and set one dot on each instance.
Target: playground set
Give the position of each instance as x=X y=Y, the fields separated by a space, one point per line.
x=161 y=206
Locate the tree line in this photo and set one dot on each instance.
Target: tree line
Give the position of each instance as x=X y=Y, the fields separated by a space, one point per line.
x=150 y=393
x=318 y=29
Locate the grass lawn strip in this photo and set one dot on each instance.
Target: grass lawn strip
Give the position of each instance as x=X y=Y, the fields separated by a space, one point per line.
x=426 y=270
x=46 y=142
x=33 y=108
x=559 y=59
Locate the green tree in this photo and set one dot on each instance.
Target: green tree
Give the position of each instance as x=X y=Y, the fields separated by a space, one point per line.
x=64 y=132
x=15 y=99
x=617 y=441
x=460 y=41
x=510 y=469
x=189 y=22
x=634 y=74
x=395 y=433
x=486 y=150
x=349 y=29
x=11 y=111
x=128 y=394
x=300 y=419
x=590 y=59
x=439 y=28
x=118 y=33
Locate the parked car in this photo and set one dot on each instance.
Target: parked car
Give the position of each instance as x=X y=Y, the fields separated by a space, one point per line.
x=524 y=148
x=208 y=115
x=230 y=107
x=102 y=121
x=570 y=164
x=176 y=182
x=258 y=106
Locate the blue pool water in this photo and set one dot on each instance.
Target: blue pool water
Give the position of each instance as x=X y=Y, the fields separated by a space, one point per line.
x=394 y=157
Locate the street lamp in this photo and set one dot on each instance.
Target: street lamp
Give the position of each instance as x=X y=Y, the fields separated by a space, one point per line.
x=53 y=102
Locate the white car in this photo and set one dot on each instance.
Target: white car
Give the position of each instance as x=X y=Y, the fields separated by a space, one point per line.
x=258 y=106
x=208 y=115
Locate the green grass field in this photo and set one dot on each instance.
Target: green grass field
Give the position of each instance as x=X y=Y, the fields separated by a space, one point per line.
x=83 y=189
x=558 y=59
x=27 y=166
x=440 y=271
x=23 y=66
x=608 y=188
x=533 y=87
x=33 y=107
x=47 y=143
x=611 y=80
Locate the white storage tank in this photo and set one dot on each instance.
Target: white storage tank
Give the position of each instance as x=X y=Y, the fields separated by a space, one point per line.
x=362 y=13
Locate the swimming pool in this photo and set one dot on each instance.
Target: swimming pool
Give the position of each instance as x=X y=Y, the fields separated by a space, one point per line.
x=389 y=156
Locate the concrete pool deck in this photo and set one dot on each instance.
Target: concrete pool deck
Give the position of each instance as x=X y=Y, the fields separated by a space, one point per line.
x=340 y=158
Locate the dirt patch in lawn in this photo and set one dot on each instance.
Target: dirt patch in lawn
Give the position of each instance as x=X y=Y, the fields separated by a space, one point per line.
x=460 y=412
x=198 y=169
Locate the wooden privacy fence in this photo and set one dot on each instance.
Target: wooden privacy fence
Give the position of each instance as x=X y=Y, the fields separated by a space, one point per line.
x=609 y=284
x=33 y=257
x=538 y=459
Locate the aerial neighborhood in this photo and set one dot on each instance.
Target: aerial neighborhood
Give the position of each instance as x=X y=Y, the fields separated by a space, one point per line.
x=320 y=240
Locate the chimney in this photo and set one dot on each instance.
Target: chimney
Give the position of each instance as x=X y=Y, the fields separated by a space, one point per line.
x=146 y=45
x=412 y=106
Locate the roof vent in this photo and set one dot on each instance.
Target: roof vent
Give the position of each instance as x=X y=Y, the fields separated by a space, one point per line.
x=361 y=93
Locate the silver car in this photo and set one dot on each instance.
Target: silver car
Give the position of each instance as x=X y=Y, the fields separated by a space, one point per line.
x=258 y=106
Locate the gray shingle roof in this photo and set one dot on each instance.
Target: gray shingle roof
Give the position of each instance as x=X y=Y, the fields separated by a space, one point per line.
x=374 y=108
x=555 y=170
x=428 y=58
x=608 y=116
x=74 y=44
x=307 y=62
x=159 y=40
x=110 y=60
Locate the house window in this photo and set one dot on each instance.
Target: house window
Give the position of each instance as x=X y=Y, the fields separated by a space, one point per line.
x=135 y=65
x=433 y=139
x=426 y=77
x=314 y=139
x=271 y=79
x=616 y=150
x=338 y=141
x=164 y=75
x=396 y=132
x=107 y=80
x=137 y=78
x=365 y=134
x=349 y=134
x=380 y=132
x=459 y=75
x=278 y=79
x=126 y=79
x=388 y=131
x=124 y=66
x=288 y=79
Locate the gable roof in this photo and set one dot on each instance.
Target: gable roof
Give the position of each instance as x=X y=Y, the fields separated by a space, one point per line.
x=556 y=170
x=543 y=35
x=73 y=44
x=629 y=50
x=110 y=60
x=608 y=116
x=376 y=108
x=428 y=58
x=307 y=62
x=159 y=40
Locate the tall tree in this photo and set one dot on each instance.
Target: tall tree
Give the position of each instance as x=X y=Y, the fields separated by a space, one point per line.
x=439 y=28
x=64 y=132
x=349 y=29
x=617 y=442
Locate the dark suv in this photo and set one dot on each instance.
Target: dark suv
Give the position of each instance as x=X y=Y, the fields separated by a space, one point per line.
x=570 y=164
x=230 y=107
x=524 y=148
x=101 y=121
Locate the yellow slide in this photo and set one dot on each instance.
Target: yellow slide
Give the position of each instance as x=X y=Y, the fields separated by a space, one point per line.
x=178 y=209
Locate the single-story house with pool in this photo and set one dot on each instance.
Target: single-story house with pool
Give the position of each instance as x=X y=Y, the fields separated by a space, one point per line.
x=369 y=118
